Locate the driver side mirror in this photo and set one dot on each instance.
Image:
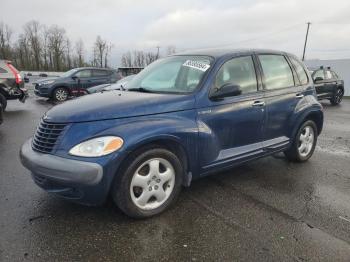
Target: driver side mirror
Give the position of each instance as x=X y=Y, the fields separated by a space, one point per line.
x=226 y=90
x=74 y=77
x=318 y=79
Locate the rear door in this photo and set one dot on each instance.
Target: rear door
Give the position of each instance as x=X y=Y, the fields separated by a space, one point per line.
x=99 y=77
x=282 y=93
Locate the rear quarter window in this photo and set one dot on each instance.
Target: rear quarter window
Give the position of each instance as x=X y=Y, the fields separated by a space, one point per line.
x=300 y=71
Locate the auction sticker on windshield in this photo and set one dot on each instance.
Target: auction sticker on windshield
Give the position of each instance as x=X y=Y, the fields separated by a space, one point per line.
x=196 y=65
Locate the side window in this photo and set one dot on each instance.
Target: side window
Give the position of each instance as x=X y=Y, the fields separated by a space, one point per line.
x=318 y=73
x=277 y=71
x=2 y=71
x=83 y=73
x=100 y=73
x=300 y=71
x=239 y=71
x=329 y=74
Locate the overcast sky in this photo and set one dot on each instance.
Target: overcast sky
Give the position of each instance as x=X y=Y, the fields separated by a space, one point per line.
x=187 y=24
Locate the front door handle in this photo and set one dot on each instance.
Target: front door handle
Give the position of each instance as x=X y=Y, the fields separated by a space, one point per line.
x=258 y=103
x=299 y=95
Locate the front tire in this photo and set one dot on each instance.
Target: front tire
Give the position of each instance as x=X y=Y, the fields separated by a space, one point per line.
x=304 y=143
x=148 y=183
x=337 y=97
x=60 y=94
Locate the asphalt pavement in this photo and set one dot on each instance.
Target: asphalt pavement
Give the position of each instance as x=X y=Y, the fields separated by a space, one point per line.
x=268 y=210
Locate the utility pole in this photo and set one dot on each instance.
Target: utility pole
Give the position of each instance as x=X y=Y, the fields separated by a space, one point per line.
x=307 y=33
x=157 y=51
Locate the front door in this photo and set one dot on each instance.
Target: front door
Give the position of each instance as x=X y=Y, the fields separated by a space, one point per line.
x=231 y=127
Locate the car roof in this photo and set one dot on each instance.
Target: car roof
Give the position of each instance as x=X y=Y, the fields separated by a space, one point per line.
x=220 y=52
x=90 y=67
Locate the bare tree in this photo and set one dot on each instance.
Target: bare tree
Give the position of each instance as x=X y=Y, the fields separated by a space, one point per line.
x=45 y=47
x=79 y=49
x=68 y=54
x=139 y=59
x=150 y=57
x=33 y=35
x=100 y=47
x=5 y=41
x=57 y=41
x=108 y=53
x=127 y=59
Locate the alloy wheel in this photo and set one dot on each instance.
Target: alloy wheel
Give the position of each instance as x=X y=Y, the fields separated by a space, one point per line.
x=152 y=183
x=339 y=96
x=306 y=141
x=61 y=95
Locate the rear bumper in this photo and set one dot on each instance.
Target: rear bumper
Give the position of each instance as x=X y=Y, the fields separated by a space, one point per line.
x=65 y=171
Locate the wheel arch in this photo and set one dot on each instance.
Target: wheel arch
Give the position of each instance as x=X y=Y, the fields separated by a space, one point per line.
x=52 y=90
x=315 y=115
x=170 y=143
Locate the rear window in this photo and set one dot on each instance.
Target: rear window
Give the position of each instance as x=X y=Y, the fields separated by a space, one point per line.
x=3 y=71
x=335 y=75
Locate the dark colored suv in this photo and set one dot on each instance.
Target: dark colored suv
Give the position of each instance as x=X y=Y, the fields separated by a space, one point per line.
x=183 y=117
x=11 y=84
x=74 y=82
x=328 y=85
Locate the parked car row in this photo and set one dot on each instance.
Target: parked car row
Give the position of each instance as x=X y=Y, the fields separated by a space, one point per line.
x=74 y=82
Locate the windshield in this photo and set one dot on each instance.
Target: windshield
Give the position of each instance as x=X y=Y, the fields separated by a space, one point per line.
x=175 y=74
x=69 y=73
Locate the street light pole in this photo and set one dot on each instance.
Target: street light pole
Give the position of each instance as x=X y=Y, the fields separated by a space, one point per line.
x=307 y=33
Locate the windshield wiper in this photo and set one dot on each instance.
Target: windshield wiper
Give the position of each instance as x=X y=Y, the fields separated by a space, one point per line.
x=141 y=89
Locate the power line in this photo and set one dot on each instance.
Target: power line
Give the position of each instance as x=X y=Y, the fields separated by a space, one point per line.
x=283 y=30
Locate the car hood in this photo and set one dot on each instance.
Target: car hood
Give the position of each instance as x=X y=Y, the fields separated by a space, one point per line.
x=117 y=104
x=39 y=81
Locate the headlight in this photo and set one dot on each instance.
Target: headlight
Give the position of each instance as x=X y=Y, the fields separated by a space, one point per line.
x=95 y=147
x=48 y=82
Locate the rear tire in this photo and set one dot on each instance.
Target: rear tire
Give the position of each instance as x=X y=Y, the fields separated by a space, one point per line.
x=337 y=97
x=3 y=102
x=304 y=143
x=148 y=182
x=60 y=94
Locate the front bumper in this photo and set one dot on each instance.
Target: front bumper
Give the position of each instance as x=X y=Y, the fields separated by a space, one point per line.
x=41 y=91
x=60 y=169
x=78 y=181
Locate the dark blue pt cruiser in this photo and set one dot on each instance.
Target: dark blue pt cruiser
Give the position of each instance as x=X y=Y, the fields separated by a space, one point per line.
x=183 y=117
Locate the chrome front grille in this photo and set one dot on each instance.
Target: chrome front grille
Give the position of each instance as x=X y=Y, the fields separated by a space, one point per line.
x=46 y=136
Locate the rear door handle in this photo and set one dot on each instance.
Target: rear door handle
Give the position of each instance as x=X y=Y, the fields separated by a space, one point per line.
x=258 y=103
x=299 y=95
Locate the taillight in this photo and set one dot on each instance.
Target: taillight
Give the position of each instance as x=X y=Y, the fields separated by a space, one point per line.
x=15 y=73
